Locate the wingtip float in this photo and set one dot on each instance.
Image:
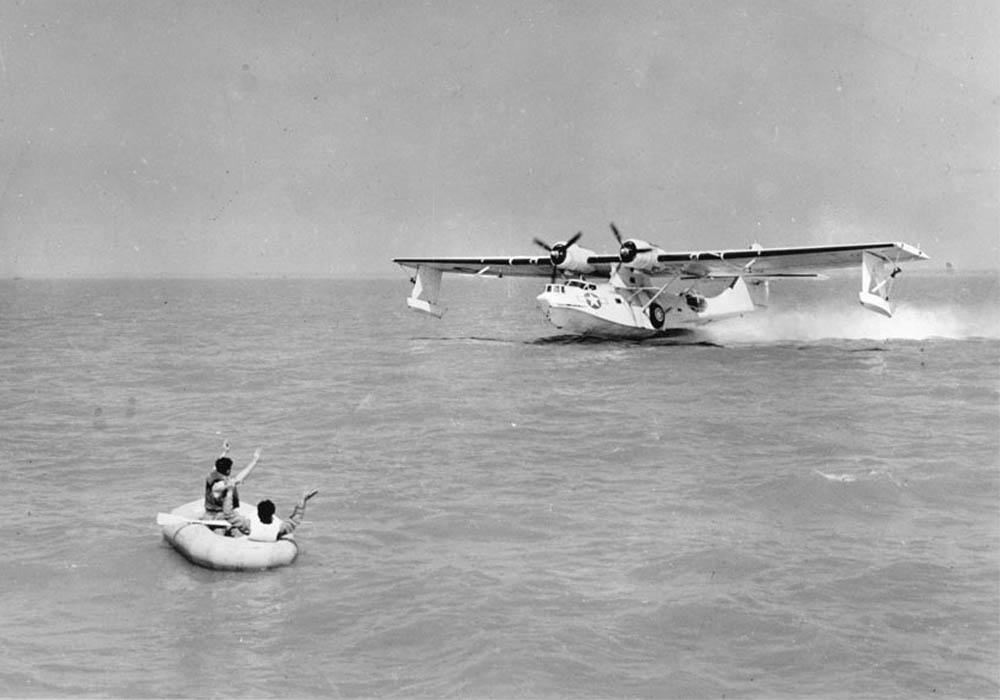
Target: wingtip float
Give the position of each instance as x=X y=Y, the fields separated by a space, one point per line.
x=643 y=290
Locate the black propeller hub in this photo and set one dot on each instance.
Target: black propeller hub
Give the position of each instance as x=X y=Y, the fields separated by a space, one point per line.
x=628 y=251
x=557 y=252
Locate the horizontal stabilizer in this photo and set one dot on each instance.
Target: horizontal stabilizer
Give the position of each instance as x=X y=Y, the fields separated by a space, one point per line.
x=732 y=301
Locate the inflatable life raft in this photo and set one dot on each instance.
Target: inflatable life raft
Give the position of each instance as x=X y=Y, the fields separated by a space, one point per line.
x=207 y=546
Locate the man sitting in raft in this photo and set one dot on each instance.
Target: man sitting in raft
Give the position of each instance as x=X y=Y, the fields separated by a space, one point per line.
x=264 y=526
x=218 y=481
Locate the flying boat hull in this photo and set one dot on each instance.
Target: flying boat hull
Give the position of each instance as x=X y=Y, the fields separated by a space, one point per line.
x=605 y=311
x=580 y=322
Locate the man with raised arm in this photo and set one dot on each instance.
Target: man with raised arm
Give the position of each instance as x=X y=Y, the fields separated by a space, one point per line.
x=263 y=526
x=218 y=482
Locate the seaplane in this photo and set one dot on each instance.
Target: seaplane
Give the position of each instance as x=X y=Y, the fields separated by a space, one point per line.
x=644 y=291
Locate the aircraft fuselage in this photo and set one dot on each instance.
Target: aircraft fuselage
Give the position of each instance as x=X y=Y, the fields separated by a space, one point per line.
x=603 y=309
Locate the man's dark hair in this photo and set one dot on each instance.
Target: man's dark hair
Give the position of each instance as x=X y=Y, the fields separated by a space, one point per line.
x=265 y=511
x=223 y=465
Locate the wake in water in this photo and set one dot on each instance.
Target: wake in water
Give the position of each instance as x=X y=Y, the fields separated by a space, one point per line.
x=800 y=325
x=813 y=324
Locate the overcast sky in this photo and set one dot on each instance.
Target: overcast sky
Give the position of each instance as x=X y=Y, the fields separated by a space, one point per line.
x=142 y=138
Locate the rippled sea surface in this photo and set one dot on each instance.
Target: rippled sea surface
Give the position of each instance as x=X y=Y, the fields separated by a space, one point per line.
x=802 y=503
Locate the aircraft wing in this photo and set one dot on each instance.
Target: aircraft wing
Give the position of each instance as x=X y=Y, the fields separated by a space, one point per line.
x=517 y=266
x=747 y=262
x=768 y=262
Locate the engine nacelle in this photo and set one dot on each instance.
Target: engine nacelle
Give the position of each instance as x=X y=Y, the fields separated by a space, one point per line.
x=574 y=259
x=639 y=255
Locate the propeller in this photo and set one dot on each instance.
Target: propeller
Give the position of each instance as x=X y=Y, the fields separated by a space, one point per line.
x=557 y=252
x=628 y=250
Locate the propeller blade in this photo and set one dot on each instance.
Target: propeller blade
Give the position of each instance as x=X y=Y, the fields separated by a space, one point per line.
x=574 y=239
x=614 y=230
x=543 y=244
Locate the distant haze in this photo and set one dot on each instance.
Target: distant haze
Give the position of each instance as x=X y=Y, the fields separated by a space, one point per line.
x=321 y=139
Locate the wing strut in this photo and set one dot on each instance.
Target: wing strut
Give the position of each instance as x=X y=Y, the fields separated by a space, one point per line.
x=426 y=291
x=877 y=275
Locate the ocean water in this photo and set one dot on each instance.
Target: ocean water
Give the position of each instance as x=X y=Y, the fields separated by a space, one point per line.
x=802 y=503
